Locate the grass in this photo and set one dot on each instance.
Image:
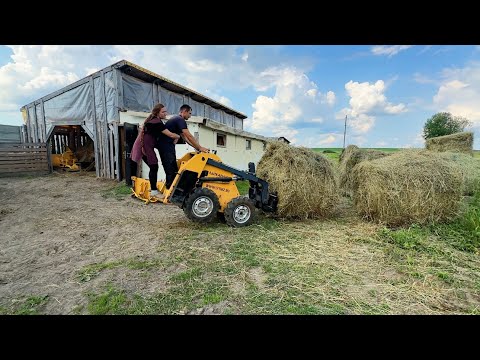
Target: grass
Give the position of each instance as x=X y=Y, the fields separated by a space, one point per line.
x=93 y=270
x=119 y=192
x=309 y=267
x=342 y=265
x=31 y=305
x=243 y=187
x=464 y=233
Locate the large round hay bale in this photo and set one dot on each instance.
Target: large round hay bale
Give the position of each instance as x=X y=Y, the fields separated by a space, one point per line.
x=470 y=169
x=347 y=152
x=303 y=179
x=352 y=157
x=459 y=142
x=409 y=186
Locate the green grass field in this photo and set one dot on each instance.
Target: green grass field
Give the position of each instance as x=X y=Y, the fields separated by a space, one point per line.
x=334 y=153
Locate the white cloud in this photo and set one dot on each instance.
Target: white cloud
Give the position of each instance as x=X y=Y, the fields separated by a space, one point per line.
x=329 y=140
x=422 y=79
x=389 y=50
x=323 y=140
x=366 y=101
x=330 y=98
x=296 y=99
x=225 y=101
x=459 y=92
x=35 y=71
x=381 y=143
x=91 y=70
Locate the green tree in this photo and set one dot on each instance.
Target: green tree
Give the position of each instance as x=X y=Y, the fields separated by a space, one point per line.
x=444 y=123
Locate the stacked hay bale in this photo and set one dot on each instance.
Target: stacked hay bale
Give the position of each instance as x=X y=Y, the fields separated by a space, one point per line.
x=469 y=168
x=410 y=186
x=303 y=179
x=350 y=157
x=459 y=142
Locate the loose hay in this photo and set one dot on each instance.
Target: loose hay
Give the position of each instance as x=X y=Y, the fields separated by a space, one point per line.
x=459 y=142
x=352 y=156
x=304 y=180
x=470 y=169
x=409 y=186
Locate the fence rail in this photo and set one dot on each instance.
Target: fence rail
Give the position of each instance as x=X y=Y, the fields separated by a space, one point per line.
x=27 y=158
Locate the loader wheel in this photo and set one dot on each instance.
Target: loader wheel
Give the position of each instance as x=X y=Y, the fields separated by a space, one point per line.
x=240 y=212
x=202 y=205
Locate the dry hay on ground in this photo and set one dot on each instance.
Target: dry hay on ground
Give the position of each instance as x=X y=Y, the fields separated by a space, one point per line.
x=351 y=157
x=410 y=186
x=459 y=142
x=470 y=169
x=304 y=180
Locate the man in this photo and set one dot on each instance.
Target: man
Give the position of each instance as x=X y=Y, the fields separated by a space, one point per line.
x=178 y=125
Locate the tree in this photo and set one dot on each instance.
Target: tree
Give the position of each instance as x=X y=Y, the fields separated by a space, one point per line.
x=444 y=123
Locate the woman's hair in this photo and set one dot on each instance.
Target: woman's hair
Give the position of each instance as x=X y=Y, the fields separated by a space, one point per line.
x=155 y=111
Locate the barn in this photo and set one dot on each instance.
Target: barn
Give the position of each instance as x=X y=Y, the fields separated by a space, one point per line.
x=96 y=119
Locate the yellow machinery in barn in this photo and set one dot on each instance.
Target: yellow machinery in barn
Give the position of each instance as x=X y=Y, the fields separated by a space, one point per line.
x=66 y=160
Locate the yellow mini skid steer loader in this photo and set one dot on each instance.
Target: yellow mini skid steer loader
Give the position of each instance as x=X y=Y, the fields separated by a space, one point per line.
x=205 y=188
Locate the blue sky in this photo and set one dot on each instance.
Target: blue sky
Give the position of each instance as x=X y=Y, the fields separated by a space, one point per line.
x=302 y=92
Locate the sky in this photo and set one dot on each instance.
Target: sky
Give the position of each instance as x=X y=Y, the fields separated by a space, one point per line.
x=301 y=92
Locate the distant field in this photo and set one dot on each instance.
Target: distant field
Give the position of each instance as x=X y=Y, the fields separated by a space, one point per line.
x=339 y=150
x=335 y=155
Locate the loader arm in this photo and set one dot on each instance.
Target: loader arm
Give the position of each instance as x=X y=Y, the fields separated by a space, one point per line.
x=258 y=188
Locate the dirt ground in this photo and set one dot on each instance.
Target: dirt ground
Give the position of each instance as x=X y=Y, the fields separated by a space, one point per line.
x=53 y=226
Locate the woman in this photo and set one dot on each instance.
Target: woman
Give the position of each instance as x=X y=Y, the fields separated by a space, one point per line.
x=143 y=148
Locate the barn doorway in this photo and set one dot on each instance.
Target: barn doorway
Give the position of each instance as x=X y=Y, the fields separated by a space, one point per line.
x=72 y=149
x=128 y=135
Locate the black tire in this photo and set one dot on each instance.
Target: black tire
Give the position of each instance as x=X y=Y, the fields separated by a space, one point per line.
x=221 y=217
x=240 y=212
x=202 y=205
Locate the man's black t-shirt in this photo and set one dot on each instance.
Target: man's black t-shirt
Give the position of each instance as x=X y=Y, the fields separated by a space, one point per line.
x=176 y=124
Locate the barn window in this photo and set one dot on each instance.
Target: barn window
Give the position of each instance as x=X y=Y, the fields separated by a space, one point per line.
x=249 y=144
x=221 y=140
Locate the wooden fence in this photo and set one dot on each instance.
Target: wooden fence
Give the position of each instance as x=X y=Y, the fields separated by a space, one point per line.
x=28 y=158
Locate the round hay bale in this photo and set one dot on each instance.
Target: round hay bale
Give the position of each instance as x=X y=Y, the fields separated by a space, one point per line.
x=303 y=179
x=347 y=152
x=459 y=142
x=352 y=157
x=470 y=169
x=407 y=187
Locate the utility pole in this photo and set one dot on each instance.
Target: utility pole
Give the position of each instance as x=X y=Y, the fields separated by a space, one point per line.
x=345 y=131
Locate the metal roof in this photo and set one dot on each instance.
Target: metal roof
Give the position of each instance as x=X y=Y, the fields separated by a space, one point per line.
x=141 y=73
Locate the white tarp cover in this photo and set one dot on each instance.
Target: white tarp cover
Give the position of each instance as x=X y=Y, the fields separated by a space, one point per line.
x=40 y=123
x=111 y=95
x=99 y=101
x=171 y=100
x=31 y=125
x=137 y=94
x=75 y=104
x=198 y=109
